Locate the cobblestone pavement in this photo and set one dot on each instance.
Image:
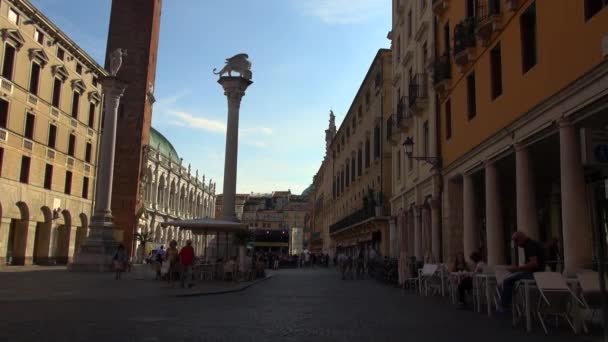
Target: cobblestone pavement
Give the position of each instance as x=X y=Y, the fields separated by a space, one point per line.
x=295 y=305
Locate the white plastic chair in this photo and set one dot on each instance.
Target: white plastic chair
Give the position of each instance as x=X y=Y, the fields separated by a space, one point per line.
x=556 y=298
x=589 y=282
x=425 y=274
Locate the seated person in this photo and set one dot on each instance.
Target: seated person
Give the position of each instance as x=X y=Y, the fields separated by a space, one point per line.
x=466 y=283
x=534 y=262
x=459 y=264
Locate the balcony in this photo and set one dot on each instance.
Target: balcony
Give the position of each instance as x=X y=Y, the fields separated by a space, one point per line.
x=418 y=93
x=352 y=219
x=464 y=41
x=489 y=20
x=442 y=73
x=403 y=115
x=440 y=6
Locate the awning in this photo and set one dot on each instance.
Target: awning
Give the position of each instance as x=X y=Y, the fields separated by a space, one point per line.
x=200 y=226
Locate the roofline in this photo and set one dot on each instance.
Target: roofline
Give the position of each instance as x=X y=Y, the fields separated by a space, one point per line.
x=378 y=57
x=71 y=45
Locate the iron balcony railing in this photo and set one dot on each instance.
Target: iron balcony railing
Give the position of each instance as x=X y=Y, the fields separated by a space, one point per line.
x=486 y=9
x=442 y=69
x=418 y=88
x=464 y=35
x=354 y=218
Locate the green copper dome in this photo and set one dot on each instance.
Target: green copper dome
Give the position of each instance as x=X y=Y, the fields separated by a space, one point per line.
x=158 y=141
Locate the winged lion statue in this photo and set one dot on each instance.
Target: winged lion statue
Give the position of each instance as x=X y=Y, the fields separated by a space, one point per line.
x=238 y=63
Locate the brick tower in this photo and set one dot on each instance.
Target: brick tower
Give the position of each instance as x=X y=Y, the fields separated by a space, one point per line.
x=135 y=26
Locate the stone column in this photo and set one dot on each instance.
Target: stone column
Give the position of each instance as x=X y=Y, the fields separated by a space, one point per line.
x=29 y=244
x=436 y=229
x=418 y=234
x=494 y=218
x=234 y=89
x=575 y=212
x=527 y=215
x=470 y=216
x=97 y=251
x=5 y=224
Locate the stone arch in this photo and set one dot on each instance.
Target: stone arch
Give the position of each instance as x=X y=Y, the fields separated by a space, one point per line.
x=17 y=236
x=182 y=200
x=63 y=238
x=81 y=232
x=198 y=206
x=172 y=195
x=42 y=238
x=149 y=190
x=191 y=203
x=160 y=199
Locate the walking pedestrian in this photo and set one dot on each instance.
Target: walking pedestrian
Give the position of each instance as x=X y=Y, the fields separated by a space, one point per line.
x=120 y=261
x=158 y=260
x=186 y=259
x=172 y=257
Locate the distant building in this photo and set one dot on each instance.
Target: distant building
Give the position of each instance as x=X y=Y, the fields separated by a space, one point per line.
x=172 y=191
x=279 y=220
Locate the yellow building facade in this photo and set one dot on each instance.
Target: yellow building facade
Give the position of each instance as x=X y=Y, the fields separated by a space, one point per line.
x=523 y=118
x=353 y=185
x=50 y=105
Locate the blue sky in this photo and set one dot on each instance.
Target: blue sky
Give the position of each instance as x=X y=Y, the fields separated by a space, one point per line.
x=308 y=56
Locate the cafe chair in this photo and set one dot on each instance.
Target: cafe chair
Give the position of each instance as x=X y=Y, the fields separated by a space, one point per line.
x=556 y=299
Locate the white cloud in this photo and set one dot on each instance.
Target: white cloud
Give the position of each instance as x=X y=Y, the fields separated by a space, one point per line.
x=257 y=130
x=171 y=100
x=189 y=120
x=255 y=143
x=341 y=11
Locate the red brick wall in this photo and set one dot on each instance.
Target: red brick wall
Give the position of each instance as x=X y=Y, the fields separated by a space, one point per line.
x=135 y=26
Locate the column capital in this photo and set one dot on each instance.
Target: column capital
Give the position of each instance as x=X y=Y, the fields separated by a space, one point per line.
x=564 y=122
x=112 y=86
x=519 y=146
x=234 y=87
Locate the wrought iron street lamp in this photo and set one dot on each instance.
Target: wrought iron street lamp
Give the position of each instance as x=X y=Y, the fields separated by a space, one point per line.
x=408 y=145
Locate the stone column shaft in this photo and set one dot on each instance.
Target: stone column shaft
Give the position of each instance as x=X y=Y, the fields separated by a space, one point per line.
x=470 y=223
x=234 y=89
x=102 y=213
x=527 y=218
x=494 y=218
x=577 y=233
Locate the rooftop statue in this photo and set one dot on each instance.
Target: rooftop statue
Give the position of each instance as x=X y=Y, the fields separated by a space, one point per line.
x=116 y=60
x=238 y=63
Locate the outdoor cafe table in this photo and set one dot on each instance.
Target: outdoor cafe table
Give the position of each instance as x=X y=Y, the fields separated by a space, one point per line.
x=527 y=284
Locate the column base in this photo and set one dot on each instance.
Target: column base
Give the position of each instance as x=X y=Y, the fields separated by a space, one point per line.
x=94 y=257
x=97 y=252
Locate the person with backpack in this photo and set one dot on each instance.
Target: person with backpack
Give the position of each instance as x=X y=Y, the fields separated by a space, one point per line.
x=158 y=261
